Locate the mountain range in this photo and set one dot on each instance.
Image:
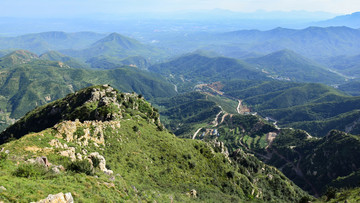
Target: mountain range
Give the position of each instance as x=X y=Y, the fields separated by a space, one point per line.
x=351 y=20
x=288 y=98
x=28 y=81
x=46 y=41
x=288 y=65
x=87 y=49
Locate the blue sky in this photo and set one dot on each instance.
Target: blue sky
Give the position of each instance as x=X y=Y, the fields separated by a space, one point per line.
x=56 y=8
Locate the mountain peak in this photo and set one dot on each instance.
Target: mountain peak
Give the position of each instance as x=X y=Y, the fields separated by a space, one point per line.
x=96 y=103
x=116 y=40
x=114 y=37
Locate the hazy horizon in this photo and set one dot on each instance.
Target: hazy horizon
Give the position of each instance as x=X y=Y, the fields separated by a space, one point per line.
x=82 y=8
x=146 y=17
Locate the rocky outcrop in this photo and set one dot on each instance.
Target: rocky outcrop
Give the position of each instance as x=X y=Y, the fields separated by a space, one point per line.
x=97 y=103
x=192 y=193
x=58 y=198
x=219 y=146
x=101 y=161
x=83 y=132
x=43 y=161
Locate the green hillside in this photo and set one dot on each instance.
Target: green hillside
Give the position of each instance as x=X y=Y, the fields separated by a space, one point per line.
x=288 y=65
x=347 y=65
x=312 y=163
x=352 y=88
x=106 y=62
x=185 y=113
x=323 y=160
x=315 y=108
x=317 y=118
x=189 y=70
x=36 y=82
x=128 y=156
x=57 y=56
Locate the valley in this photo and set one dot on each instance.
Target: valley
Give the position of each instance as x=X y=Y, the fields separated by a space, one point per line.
x=179 y=116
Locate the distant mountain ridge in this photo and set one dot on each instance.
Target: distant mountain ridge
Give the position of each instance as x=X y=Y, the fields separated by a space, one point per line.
x=113 y=50
x=46 y=41
x=288 y=65
x=350 y=20
x=189 y=70
x=311 y=42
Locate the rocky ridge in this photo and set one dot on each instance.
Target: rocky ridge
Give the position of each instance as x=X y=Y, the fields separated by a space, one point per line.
x=97 y=103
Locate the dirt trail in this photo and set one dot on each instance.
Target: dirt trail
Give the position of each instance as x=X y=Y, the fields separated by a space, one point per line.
x=241 y=109
x=194 y=136
x=223 y=118
x=215 y=122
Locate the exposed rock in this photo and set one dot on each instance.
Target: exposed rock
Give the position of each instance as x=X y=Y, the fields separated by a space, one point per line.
x=67 y=129
x=56 y=143
x=2 y=188
x=69 y=153
x=78 y=156
x=192 y=193
x=220 y=147
x=69 y=197
x=109 y=185
x=57 y=169
x=102 y=162
x=43 y=161
x=58 y=198
x=91 y=131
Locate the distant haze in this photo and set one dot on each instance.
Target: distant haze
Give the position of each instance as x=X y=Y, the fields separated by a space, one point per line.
x=78 y=8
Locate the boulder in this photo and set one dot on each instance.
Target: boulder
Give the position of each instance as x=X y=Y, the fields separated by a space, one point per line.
x=58 y=198
x=102 y=162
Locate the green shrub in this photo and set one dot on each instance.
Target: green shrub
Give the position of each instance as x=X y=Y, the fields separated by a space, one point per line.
x=95 y=161
x=79 y=132
x=83 y=166
x=30 y=170
x=330 y=193
x=135 y=128
x=3 y=156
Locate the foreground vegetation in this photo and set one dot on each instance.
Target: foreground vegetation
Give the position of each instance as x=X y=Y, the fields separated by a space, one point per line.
x=143 y=160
